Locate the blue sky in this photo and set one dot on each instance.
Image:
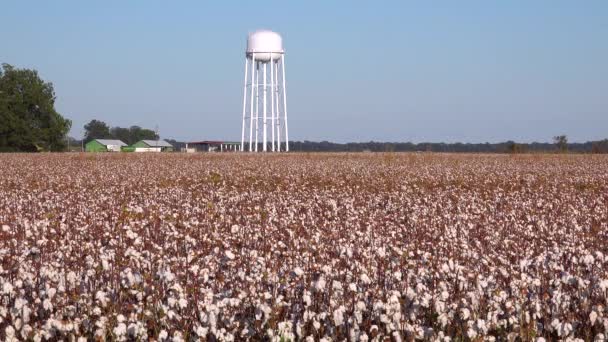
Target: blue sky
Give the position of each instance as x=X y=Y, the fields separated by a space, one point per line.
x=471 y=71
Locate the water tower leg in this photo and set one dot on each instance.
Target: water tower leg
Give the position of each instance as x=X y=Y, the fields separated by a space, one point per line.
x=264 y=108
x=257 y=105
x=251 y=105
x=276 y=103
x=244 y=106
x=285 y=105
x=272 y=102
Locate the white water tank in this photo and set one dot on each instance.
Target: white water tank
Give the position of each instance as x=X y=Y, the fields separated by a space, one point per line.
x=265 y=44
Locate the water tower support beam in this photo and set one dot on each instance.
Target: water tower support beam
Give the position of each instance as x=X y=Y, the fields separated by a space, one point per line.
x=257 y=105
x=251 y=107
x=276 y=103
x=285 y=105
x=264 y=108
x=272 y=101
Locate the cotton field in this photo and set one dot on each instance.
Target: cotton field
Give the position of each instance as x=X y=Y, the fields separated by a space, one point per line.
x=330 y=247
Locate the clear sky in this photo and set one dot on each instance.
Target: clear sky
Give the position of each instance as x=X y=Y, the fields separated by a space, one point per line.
x=472 y=71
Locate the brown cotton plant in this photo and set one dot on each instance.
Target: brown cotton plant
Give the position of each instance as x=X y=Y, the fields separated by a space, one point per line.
x=362 y=247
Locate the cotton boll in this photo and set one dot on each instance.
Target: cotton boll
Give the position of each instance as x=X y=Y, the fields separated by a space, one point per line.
x=465 y=314
x=593 y=317
x=234 y=229
x=120 y=330
x=320 y=284
x=9 y=331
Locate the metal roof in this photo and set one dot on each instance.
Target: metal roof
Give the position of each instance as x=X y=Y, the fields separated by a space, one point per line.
x=110 y=142
x=157 y=143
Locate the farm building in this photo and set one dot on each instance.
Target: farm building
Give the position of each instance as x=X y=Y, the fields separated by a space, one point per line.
x=152 y=145
x=212 y=146
x=104 y=145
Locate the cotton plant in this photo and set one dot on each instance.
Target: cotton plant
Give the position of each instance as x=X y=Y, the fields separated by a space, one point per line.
x=321 y=247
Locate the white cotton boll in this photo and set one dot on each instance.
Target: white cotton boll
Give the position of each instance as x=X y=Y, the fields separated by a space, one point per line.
x=177 y=336
x=7 y=289
x=443 y=320
x=26 y=312
x=163 y=335
x=183 y=303
x=9 y=331
x=336 y=285
x=445 y=295
x=381 y=252
x=230 y=255
x=365 y=279
x=120 y=330
x=352 y=287
x=20 y=303
x=471 y=333
x=592 y=317
x=298 y=271
x=171 y=302
x=465 y=314
x=360 y=305
x=316 y=325
x=600 y=337
x=588 y=259
x=425 y=301
x=306 y=298
x=201 y=332
x=26 y=332
x=320 y=284
x=47 y=305
x=234 y=229
x=17 y=323
x=541 y=339
x=339 y=315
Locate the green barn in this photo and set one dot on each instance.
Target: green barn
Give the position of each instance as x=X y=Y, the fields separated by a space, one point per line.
x=153 y=144
x=104 y=145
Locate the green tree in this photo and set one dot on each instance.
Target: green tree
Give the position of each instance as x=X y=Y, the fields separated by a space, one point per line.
x=561 y=141
x=138 y=133
x=28 y=119
x=123 y=134
x=96 y=129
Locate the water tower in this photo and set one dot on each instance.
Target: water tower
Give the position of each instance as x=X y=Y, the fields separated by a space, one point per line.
x=264 y=95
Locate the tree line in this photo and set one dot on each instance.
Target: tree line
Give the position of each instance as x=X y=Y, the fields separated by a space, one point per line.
x=97 y=129
x=560 y=145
